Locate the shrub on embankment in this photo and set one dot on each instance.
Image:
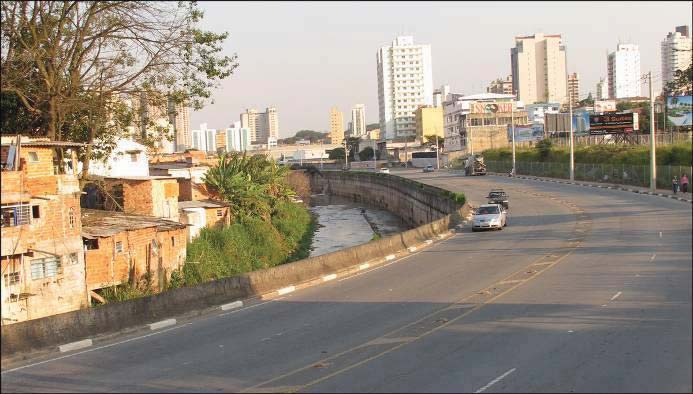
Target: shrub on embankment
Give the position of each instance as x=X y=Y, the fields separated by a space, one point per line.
x=675 y=155
x=250 y=244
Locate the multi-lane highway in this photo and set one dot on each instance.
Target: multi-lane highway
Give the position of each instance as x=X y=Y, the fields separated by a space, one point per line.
x=586 y=290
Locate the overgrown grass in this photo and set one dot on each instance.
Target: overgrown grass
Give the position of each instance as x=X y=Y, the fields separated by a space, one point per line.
x=677 y=154
x=248 y=245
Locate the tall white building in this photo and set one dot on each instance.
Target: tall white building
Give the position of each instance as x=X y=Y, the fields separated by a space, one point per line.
x=539 y=69
x=358 y=120
x=441 y=95
x=624 y=71
x=237 y=138
x=602 y=89
x=179 y=117
x=262 y=125
x=676 y=53
x=204 y=138
x=405 y=81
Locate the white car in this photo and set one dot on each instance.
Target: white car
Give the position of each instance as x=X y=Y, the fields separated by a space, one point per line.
x=384 y=170
x=428 y=168
x=489 y=217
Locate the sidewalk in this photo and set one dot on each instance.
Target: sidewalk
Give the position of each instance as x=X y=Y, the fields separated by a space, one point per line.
x=666 y=193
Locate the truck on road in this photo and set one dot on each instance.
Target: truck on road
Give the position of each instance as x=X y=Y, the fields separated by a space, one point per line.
x=475 y=165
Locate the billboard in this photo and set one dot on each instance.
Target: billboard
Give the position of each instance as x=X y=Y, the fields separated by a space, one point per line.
x=489 y=108
x=527 y=132
x=613 y=123
x=679 y=110
x=559 y=123
x=604 y=106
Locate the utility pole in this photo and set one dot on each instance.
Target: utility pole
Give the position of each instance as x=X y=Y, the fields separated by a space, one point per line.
x=346 y=154
x=322 y=152
x=375 y=158
x=653 y=163
x=437 y=162
x=512 y=127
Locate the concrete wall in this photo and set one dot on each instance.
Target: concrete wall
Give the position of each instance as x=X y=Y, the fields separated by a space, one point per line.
x=385 y=191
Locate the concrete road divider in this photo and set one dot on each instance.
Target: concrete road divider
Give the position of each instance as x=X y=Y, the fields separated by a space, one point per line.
x=232 y=305
x=161 y=324
x=75 y=345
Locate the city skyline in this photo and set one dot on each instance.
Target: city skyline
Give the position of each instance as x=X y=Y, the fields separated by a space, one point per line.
x=333 y=62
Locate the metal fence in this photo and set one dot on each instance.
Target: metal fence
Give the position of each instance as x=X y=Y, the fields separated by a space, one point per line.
x=637 y=139
x=625 y=174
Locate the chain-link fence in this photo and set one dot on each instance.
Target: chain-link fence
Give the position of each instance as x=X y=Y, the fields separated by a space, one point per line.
x=635 y=175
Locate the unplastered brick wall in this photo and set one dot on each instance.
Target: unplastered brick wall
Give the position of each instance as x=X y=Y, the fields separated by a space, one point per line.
x=191 y=191
x=41 y=167
x=107 y=266
x=217 y=217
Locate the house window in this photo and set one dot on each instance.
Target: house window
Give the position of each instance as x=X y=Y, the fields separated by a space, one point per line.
x=35 y=212
x=71 y=259
x=33 y=157
x=11 y=278
x=119 y=247
x=45 y=268
x=15 y=215
x=220 y=213
x=173 y=241
x=71 y=217
x=133 y=157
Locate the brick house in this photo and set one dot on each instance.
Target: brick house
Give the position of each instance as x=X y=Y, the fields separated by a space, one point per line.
x=42 y=257
x=122 y=247
x=203 y=213
x=144 y=195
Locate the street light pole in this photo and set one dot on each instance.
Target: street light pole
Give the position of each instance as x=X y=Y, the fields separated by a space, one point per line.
x=653 y=165
x=512 y=128
x=437 y=162
x=572 y=150
x=322 y=152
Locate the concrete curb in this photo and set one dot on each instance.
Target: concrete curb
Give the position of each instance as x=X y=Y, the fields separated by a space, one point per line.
x=161 y=324
x=554 y=180
x=75 y=345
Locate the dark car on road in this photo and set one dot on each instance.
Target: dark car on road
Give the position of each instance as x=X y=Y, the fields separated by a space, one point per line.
x=499 y=196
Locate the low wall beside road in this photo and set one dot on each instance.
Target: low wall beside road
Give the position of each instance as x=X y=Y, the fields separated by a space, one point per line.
x=432 y=210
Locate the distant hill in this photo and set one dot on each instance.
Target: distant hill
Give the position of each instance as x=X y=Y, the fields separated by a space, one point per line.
x=311 y=135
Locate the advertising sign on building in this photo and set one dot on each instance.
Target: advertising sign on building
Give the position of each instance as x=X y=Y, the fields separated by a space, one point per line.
x=679 y=110
x=489 y=108
x=527 y=132
x=560 y=123
x=614 y=123
x=604 y=106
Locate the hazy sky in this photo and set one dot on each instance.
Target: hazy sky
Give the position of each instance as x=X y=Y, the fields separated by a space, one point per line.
x=304 y=57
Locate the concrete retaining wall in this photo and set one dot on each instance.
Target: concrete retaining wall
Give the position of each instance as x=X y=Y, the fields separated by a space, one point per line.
x=386 y=191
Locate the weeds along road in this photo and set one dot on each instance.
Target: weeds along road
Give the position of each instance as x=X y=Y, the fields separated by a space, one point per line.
x=586 y=290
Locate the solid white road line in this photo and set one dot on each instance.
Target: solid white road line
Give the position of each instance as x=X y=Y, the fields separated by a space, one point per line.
x=615 y=296
x=94 y=349
x=75 y=345
x=162 y=324
x=233 y=305
x=286 y=290
x=494 y=381
x=329 y=277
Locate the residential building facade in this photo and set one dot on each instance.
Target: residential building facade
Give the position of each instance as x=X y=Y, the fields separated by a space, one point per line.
x=127 y=248
x=624 y=71
x=42 y=258
x=336 y=126
x=676 y=53
x=237 y=138
x=179 y=117
x=429 y=121
x=405 y=81
x=539 y=68
x=358 y=121
x=261 y=125
x=602 y=89
x=501 y=86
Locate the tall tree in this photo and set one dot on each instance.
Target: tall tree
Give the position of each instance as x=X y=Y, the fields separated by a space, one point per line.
x=70 y=63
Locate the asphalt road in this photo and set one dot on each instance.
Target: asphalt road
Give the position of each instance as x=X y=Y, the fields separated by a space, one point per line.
x=586 y=290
